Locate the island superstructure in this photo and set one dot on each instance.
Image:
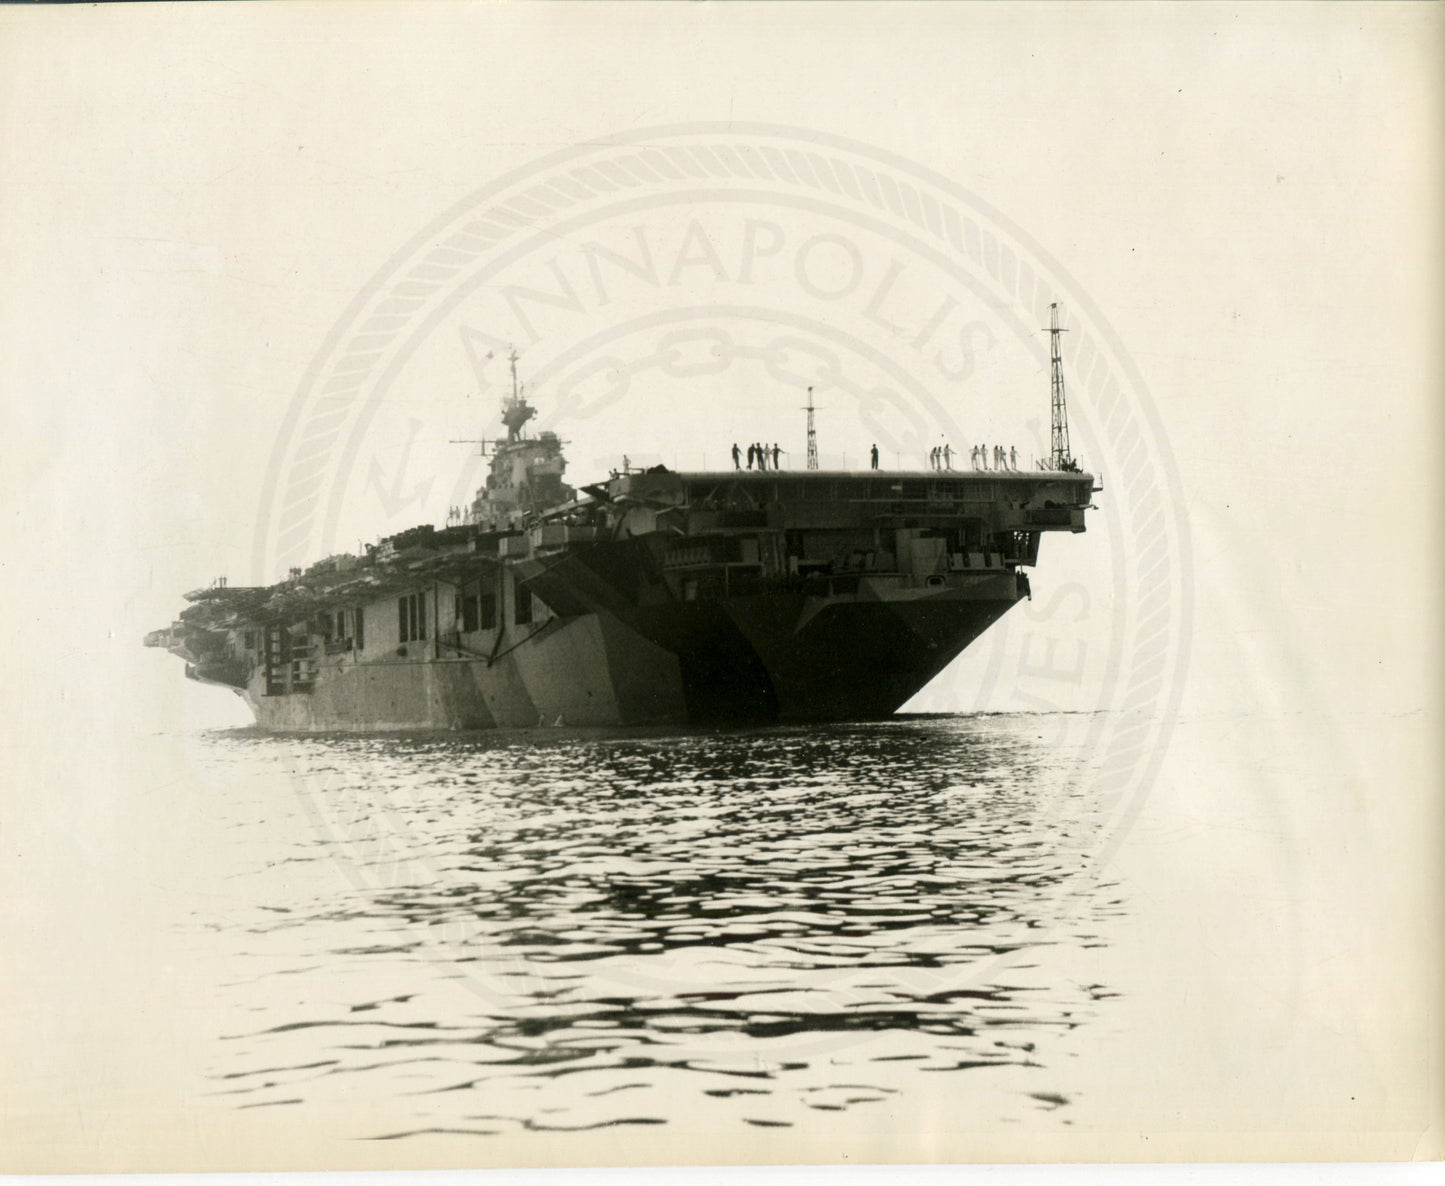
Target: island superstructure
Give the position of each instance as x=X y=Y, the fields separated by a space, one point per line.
x=651 y=597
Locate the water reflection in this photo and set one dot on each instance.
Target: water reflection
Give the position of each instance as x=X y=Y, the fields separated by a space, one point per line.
x=553 y=932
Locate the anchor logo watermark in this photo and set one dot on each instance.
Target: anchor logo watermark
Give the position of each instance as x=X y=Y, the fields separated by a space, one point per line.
x=676 y=290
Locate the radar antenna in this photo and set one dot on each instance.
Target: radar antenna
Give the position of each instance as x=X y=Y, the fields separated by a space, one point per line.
x=1059 y=456
x=812 y=434
x=516 y=411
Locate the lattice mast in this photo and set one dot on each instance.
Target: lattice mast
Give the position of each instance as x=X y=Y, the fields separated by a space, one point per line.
x=812 y=434
x=516 y=411
x=1059 y=455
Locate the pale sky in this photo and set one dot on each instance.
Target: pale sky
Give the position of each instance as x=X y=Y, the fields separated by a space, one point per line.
x=196 y=194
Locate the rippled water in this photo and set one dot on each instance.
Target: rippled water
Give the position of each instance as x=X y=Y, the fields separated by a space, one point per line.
x=559 y=931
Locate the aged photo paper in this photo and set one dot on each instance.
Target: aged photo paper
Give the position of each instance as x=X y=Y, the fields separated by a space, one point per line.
x=835 y=718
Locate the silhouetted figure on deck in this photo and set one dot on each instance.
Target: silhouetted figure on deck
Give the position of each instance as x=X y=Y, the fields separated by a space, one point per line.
x=737 y=457
x=947 y=456
x=1013 y=457
x=873 y=457
x=752 y=453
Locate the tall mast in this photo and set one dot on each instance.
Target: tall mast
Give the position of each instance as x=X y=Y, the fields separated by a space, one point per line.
x=812 y=434
x=516 y=411
x=1059 y=455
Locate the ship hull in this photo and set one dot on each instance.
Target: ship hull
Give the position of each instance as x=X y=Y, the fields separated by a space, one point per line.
x=666 y=599
x=745 y=660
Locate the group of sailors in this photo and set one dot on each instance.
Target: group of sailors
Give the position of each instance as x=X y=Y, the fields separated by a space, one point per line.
x=759 y=456
x=941 y=457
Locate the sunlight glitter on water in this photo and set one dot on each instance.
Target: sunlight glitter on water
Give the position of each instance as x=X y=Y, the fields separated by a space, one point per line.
x=555 y=932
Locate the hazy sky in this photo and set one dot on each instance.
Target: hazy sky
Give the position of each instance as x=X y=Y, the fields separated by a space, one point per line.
x=196 y=194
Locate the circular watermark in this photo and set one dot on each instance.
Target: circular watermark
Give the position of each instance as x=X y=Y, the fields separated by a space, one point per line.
x=675 y=291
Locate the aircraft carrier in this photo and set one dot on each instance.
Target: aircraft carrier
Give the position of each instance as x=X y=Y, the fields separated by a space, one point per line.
x=653 y=597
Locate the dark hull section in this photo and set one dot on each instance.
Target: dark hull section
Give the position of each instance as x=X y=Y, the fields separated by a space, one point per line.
x=861 y=661
x=783 y=658
x=745 y=660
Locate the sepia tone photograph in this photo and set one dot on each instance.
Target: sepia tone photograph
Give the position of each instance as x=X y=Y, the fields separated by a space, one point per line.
x=720 y=585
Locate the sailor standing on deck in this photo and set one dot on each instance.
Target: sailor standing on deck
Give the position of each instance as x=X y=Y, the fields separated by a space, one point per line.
x=947 y=456
x=752 y=450
x=1013 y=457
x=737 y=457
x=873 y=457
x=777 y=453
